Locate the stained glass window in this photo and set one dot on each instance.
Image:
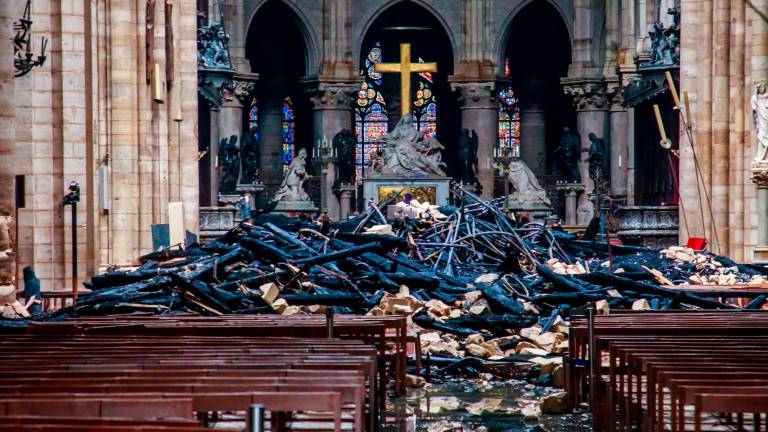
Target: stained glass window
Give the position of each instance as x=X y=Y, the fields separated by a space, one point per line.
x=509 y=120
x=289 y=129
x=253 y=118
x=370 y=114
x=425 y=105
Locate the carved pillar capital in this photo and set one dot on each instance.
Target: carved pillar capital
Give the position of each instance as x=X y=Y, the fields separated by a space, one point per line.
x=332 y=95
x=614 y=93
x=476 y=94
x=237 y=92
x=588 y=94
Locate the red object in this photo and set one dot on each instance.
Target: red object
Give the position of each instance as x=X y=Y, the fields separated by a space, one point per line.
x=697 y=243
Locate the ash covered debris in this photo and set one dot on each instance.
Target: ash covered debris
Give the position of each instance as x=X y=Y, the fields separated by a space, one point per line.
x=474 y=283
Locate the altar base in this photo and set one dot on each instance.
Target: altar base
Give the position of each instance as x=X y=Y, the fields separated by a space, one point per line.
x=435 y=190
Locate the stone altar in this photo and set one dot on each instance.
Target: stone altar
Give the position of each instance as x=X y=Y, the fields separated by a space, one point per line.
x=649 y=226
x=411 y=162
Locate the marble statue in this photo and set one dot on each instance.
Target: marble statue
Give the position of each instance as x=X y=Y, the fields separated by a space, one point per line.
x=596 y=157
x=760 y=114
x=408 y=153
x=528 y=192
x=249 y=157
x=570 y=154
x=344 y=148
x=229 y=161
x=468 y=156
x=292 y=188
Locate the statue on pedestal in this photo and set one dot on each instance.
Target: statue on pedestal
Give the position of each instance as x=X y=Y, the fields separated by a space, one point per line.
x=596 y=157
x=760 y=115
x=408 y=153
x=528 y=192
x=570 y=154
x=344 y=148
x=292 y=187
x=249 y=157
x=468 y=156
x=229 y=161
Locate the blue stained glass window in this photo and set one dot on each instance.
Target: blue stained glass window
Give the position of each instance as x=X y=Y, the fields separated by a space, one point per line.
x=289 y=129
x=253 y=118
x=509 y=120
x=371 y=118
x=425 y=105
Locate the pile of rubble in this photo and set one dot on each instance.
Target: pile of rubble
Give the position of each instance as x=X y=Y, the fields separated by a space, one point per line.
x=474 y=283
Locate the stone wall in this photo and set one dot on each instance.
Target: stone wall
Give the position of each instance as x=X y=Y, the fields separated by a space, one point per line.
x=90 y=105
x=7 y=119
x=723 y=53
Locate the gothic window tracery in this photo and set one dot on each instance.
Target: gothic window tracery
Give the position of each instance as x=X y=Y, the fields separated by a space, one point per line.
x=425 y=105
x=509 y=120
x=371 y=117
x=289 y=129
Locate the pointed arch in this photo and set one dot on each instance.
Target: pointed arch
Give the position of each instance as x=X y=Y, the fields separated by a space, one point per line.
x=371 y=15
x=503 y=39
x=310 y=35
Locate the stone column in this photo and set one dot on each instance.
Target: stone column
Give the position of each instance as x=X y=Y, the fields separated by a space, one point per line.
x=480 y=112
x=271 y=137
x=619 y=139
x=332 y=112
x=230 y=115
x=760 y=178
x=533 y=125
x=591 y=117
x=213 y=167
x=345 y=192
x=8 y=126
x=234 y=20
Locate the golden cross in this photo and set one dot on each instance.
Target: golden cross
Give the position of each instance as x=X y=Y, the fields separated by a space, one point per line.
x=405 y=68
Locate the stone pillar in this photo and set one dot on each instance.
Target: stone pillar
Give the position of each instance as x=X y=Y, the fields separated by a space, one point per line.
x=480 y=112
x=591 y=117
x=235 y=23
x=271 y=137
x=230 y=116
x=345 y=192
x=760 y=178
x=332 y=112
x=619 y=140
x=533 y=125
x=8 y=126
x=213 y=168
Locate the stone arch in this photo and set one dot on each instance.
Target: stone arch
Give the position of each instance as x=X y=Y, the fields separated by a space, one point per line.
x=373 y=14
x=312 y=39
x=505 y=29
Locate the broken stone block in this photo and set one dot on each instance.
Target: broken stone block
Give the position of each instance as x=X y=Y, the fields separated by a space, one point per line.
x=476 y=338
x=279 y=305
x=558 y=377
x=556 y=403
x=602 y=307
x=476 y=350
x=269 y=292
x=641 y=304
x=523 y=345
x=487 y=278
x=547 y=364
x=438 y=308
x=384 y=229
x=534 y=352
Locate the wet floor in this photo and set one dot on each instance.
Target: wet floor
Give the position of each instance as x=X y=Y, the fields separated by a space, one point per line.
x=477 y=406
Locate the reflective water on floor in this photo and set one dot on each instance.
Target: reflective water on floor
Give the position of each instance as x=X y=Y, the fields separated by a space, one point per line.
x=477 y=406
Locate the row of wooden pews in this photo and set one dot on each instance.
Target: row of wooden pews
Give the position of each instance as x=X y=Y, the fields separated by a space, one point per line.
x=672 y=371
x=205 y=366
